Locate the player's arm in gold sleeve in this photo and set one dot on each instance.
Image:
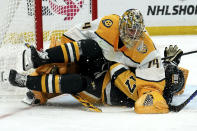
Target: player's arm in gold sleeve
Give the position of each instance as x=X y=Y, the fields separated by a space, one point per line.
x=151 y=98
x=124 y=79
x=150 y=82
x=150 y=101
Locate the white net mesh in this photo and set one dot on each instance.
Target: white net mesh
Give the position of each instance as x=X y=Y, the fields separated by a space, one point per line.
x=17 y=26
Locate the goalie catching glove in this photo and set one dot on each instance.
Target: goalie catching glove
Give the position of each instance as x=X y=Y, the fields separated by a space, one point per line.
x=173 y=54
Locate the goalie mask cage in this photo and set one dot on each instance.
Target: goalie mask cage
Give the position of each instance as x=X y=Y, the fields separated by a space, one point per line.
x=35 y=21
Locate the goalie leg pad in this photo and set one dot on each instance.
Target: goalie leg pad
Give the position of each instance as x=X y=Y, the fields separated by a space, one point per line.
x=151 y=103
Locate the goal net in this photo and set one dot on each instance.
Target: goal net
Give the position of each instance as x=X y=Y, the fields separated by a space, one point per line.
x=23 y=20
x=34 y=22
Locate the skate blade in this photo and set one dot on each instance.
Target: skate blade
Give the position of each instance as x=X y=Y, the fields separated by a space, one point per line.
x=27 y=63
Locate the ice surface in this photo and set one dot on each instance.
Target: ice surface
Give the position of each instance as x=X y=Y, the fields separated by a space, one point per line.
x=64 y=113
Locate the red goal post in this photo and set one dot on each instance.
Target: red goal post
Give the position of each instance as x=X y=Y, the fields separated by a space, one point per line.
x=34 y=21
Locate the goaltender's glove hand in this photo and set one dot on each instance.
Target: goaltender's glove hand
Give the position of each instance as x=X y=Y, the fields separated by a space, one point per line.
x=174 y=53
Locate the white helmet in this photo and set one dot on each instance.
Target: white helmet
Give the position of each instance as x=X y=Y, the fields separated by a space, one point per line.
x=131 y=27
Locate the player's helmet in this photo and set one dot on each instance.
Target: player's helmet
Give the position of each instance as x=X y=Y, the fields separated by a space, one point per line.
x=131 y=27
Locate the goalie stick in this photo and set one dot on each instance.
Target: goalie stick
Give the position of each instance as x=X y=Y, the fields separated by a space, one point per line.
x=86 y=103
x=181 y=106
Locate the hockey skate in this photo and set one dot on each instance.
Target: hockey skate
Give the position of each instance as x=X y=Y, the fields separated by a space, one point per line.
x=33 y=58
x=30 y=99
x=17 y=79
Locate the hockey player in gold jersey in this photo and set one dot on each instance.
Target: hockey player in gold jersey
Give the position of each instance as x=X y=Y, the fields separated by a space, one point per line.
x=133 y=75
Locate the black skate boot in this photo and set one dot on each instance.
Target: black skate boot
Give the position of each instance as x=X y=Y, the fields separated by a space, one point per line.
x=30 y=99
x=33 y=58
x=17 y=79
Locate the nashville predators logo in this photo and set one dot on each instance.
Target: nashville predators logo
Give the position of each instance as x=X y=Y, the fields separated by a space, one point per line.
x=142 y=48
x=107 y=23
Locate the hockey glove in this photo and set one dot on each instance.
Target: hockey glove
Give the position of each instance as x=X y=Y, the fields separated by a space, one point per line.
x=174 y=54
